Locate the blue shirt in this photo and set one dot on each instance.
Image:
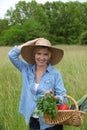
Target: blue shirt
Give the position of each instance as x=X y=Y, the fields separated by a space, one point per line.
x=51 y=80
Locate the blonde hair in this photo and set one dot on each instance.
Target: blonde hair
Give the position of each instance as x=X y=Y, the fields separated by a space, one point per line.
x=36 y=49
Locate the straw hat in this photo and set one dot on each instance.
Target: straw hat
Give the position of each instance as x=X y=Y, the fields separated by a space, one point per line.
x=56 y=53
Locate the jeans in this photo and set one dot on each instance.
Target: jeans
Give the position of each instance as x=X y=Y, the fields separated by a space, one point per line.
x=34 y=125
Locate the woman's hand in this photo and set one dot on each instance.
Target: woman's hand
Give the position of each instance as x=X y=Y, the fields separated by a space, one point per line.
x=52 y=93
x=49 y=91
x=31 y=42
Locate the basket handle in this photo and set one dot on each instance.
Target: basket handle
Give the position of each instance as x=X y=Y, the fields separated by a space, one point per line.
x=73 y=100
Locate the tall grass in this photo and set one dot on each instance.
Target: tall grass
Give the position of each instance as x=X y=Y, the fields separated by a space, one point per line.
x=73 y=68
x=74 y=72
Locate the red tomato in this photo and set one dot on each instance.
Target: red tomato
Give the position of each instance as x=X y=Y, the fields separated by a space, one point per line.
x=63 y=107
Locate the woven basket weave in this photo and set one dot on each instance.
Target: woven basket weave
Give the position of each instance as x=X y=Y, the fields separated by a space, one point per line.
x=66 y=117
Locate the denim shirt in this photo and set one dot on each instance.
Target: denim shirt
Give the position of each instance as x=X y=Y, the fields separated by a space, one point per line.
x=51 y=80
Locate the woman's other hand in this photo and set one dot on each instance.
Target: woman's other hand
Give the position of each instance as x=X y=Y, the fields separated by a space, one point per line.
x=52 y=93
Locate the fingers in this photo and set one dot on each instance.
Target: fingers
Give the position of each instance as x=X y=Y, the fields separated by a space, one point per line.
x=52 y=93
x=32 y=42
x=49 y=91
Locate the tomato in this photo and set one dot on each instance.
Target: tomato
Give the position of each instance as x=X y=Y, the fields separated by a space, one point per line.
x=63 y=107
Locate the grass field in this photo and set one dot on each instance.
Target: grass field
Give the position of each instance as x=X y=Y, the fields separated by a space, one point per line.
x=73 y=68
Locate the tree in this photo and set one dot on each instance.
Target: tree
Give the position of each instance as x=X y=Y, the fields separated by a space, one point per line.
x=63 y=23
x=83 y=38
x=34 y=29
x=14 y=35
x=3 y=25
x=25 y=11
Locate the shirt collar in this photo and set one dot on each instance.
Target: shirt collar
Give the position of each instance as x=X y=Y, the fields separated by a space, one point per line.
x=49 y=68
x=33 y=68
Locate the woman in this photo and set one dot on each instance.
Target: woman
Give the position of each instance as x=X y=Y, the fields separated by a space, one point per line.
x=39 y=77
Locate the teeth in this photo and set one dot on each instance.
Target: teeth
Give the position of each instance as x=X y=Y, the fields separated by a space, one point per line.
x=41 y=61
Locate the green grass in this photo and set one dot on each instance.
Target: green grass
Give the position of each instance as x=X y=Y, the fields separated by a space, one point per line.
x=73 y=68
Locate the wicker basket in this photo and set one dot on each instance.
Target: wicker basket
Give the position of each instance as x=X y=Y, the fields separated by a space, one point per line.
x=67 y=117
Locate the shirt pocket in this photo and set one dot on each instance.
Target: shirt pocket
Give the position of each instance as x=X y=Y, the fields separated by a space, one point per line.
x=48 y=84
x=30 y=79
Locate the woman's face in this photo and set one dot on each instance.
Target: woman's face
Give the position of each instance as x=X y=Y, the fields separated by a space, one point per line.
x=42 y=56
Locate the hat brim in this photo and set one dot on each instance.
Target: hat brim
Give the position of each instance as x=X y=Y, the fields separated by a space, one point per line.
x=27 y=55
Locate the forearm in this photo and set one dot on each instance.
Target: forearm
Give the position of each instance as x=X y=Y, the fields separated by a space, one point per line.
x=14 y=57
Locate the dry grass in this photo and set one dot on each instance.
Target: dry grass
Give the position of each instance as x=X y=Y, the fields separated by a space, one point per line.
x=73 y=68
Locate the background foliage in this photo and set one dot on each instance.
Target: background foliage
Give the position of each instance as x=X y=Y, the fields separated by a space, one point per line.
x=63 y=23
